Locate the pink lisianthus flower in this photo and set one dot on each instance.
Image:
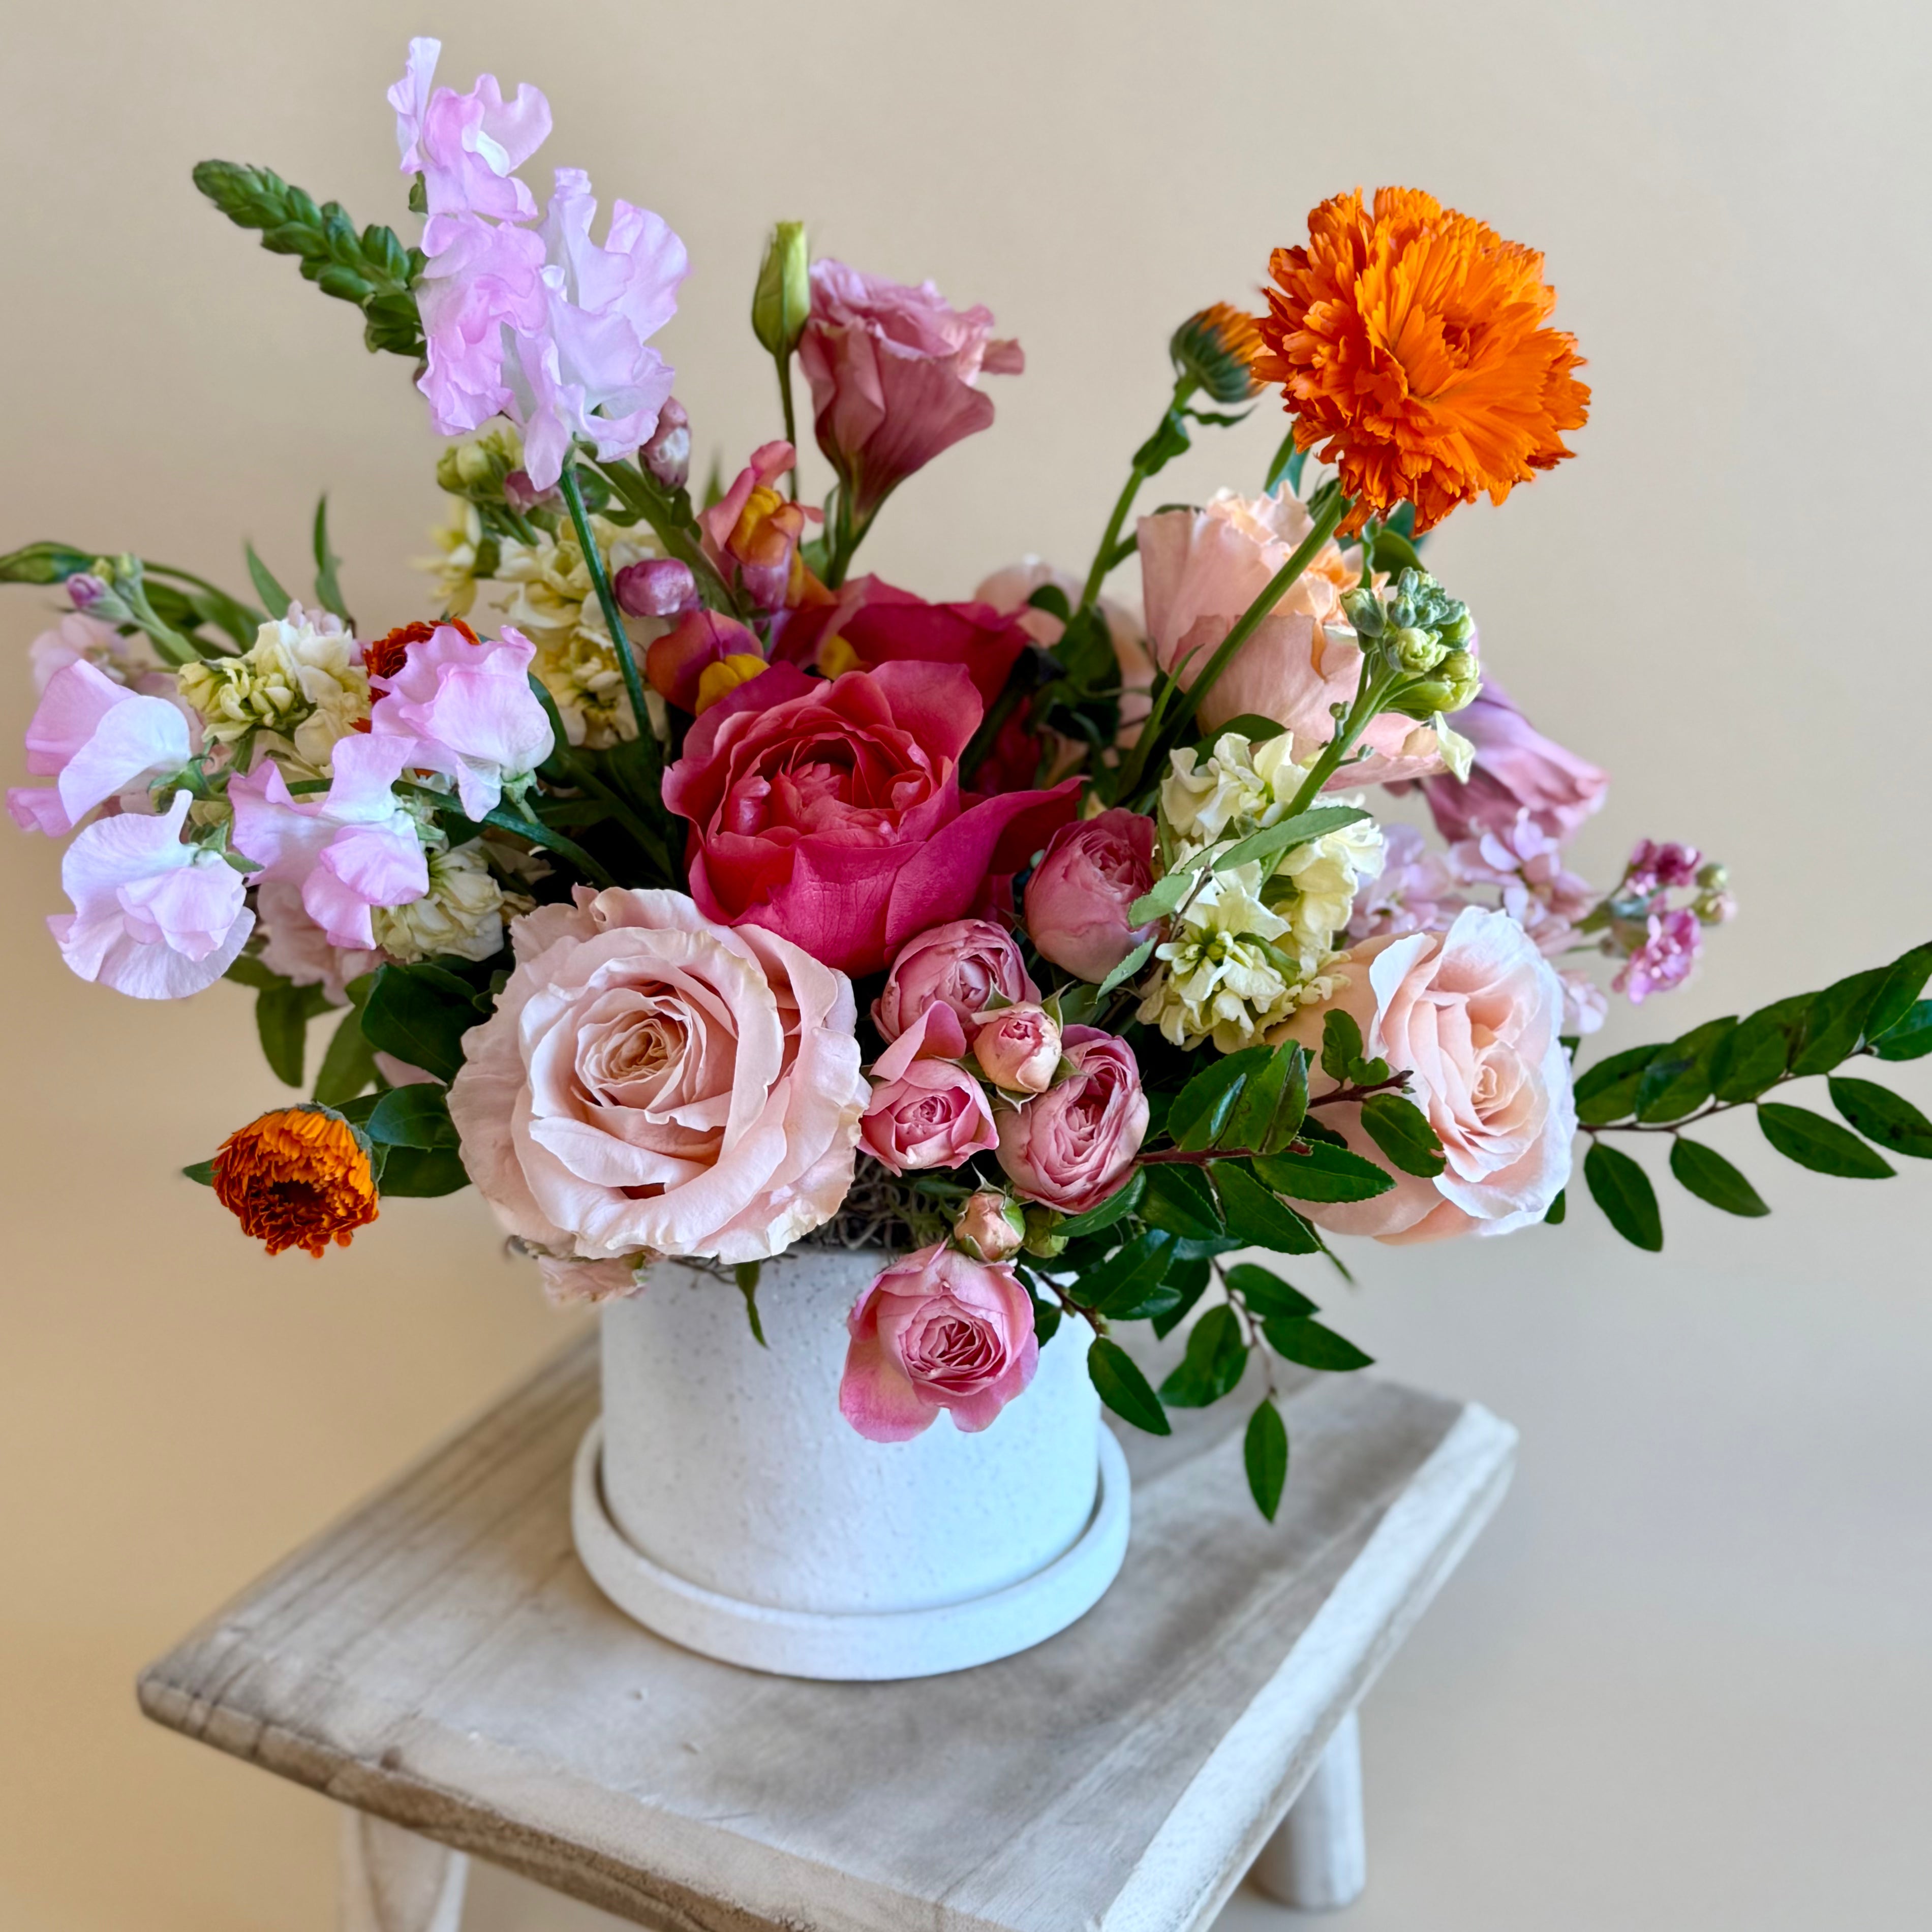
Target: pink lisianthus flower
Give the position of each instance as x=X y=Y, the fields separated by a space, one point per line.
x=1672 y=940
x=1079 y=897
x=467 y=146
x=95 y=739
x=352 y=849
x=894 y=373
x=753 y=533
x=1516 y=769
x=153 y=917
x=926 y=1111
x=937 y=1330
x=1415 y=891
x=468 y=711
x=962 y=965
x=1074 y=1144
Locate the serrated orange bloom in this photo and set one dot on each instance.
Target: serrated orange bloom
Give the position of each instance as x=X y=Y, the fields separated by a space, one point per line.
x=1411 y=344
x=298 y=1177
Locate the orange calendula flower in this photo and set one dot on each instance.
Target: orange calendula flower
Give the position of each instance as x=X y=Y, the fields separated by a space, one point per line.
x=1411 y=343
x=298 y=1177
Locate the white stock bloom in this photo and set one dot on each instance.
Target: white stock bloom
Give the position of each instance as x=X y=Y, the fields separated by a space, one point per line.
x=459 y=541
x=301 y=681
x=461 y=913
x=1326 y=874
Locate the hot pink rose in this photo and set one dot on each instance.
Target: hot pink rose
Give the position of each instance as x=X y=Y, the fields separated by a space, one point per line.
x=893 y=371
x=832 y=812
x=926 y=1111
x=1475 y=1014
x=937 y=1330
x=1073 y=1145
x=1516 y=767
x=962 y=965
x=651 y=1081
x=1017 y=1048
x=1077 y=899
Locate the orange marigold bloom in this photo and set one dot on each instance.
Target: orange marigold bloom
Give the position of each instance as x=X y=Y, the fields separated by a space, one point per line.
x=384 y=657
x=297 y=1178
x=1410 y=343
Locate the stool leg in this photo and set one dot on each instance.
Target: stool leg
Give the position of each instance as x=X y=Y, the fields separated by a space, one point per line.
x=1316 y=1861
x=393 y=1881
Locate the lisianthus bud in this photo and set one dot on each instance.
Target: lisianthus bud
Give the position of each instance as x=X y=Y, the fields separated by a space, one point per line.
x=659 y=586
x=1017 y=1048
x=1216 y=347
x=667 y=456
x=84 y=590
x=782 y=299
x=990 y=1227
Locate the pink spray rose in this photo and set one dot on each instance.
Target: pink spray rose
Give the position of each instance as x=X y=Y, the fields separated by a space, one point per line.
x=1201 y=569
x=894 y=373
x=990 y=1227
x=153 y=917
x=95 y=739
x=568 y=1284
x=1077 y=899
x=653 y=1082
x=1475 y=1014
x=937 y=1330
x=961 y=965
x=1516 y=768
x=926 y=1111
x=469 y=711
x=833 y=812
x=465 y=146
x=1017 y=1048
x=1073 y=1145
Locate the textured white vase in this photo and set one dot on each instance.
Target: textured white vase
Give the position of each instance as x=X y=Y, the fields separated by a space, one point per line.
x=724 y=1502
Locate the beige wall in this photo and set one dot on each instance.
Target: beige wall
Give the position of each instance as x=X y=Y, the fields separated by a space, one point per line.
x=1685 y=1683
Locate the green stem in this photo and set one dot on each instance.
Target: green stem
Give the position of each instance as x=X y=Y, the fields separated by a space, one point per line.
x=1371 y=694
x=1104 y=558
x=585 y=779
x=846 y=538
x=613 y=618
x=790 y=416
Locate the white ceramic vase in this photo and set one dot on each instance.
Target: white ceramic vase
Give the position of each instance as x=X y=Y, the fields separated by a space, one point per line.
x=723 y=1502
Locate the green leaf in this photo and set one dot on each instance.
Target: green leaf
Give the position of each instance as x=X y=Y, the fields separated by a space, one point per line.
x=1046 y=1317
x=349 y=1065
x=1217 y=1353
x=1265 y=1293
x=1607 y=1091
x=1678 y=1081
x=1324 y=1173
x=282 y=1015
x=1124 y=1288
x=1129 y=966
x=327 y=588
x=1201 y=1110
x=1161 y=898
x=1254 y=1214
x=1558 y=1210
x=1911 y=1039
x=1179 y=1198
x=1401 y=1129
x=1188 y=1280
x=1248 y=724
x=419 y=1014
x=202 y=1171
x=1898 y=992
x=1758 y=1054
x=1299 y=1338
x=745 y=1274
x=1883 y=1116
x=1820 y=1144
x=247 y=970
x=1836 y=1023
x=1123 y=1202
x=1623 y=1191
x=1709 y=1176
x=422 y=1172
x=44 y=563
x=1265 y=1455
x=1272 y=841
x=1341 y=1044
x=1124 y=1389
x=272 y=595
x=415 y=1116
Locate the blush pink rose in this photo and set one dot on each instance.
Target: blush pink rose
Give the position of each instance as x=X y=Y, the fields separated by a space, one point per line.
x=1201 y=569
x=894 y=373
x=937 y=1330
x=832 y=813
x=651 y=1081
x=1475 y=1014
x=1073 y=1145
x=1078 y=899
x=1017 y=1048
x=926 y=1111
x=962 y=965
x=990 y=1227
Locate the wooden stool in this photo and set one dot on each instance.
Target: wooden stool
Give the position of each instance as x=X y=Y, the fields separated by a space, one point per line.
x=439 y=1662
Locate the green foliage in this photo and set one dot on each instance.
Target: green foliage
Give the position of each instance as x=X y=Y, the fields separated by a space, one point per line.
x=1898 y=992
x=1302 y=1339
x=1254 y=1216
x=419 y=1014
x=1623 y=1191
x=1204 y=1106
x=282 y=1015
x=1835 y=1023
x=1402 y=1130
x=1911 y=1039
x=1128 y=967
x=1265 y=1293
x=1608 y=1090
x=1110 y=1209
x=1709 y=1176
x=1820 y=1144
x=327 y=589
x=1264 y=1456
x=1882 y=1116
x=266 y=587
x=1678 y=1081
x=349 y=1065
x=370 y=269
x=1320 y=1172
x=1217 y=1353
x=44 y=563
x=1341 y=1044
x=1124 y=1389
x=1758 y=1054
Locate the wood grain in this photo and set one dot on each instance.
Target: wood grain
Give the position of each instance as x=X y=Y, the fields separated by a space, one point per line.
x=439 y=1658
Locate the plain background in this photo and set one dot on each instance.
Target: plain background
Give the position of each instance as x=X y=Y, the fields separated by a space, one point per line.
x=1685 y=1681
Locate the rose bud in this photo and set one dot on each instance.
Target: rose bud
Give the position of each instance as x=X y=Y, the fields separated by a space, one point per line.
x=1017 y=1048
x=659 y=586
x=925 y=1110
x=1074 y=1144
x=1077 y=899
x=667 y=456
x=964 y=963
x=990 y=1227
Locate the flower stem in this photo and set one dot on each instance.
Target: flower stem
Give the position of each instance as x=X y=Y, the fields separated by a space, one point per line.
x=613 y=618
x=1104 y=557
x=1371 y=693
x=790 y=415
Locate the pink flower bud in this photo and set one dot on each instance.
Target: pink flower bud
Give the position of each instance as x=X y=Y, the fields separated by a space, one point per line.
x=1017 y=1048
x=1077 y=899
x=962 y=963
x=659 y=586
x=84 y=590
x=521 y=494
x=667 y=456
x=990 y=1227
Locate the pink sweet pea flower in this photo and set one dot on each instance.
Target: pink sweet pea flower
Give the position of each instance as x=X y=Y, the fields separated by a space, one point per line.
x=926 y=1111
x=466 y=145
x=482 y=281
x=95 y=739
x=894 y=373
x=153 y=917
x=469 y=711
x=937 y=1330
x=354 y=848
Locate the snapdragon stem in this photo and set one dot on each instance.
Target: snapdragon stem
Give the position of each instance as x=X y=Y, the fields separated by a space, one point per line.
x=613 y=618
x=1104 y=558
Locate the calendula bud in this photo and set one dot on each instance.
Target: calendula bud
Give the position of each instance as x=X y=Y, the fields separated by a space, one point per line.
x=783 y=297
x=1216 y=347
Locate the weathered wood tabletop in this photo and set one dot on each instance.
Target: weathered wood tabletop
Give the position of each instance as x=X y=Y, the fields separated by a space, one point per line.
x=440 y=1659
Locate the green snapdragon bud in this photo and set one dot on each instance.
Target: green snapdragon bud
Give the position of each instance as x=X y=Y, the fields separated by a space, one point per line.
x=782 y=298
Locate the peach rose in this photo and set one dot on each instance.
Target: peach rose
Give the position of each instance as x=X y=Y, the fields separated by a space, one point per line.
x=653 y=1082
x=1200 y=569
x=1475 y=1014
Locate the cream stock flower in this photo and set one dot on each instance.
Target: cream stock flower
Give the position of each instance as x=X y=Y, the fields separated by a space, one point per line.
x=459 y=540
x=462 y=912
x=301 y=680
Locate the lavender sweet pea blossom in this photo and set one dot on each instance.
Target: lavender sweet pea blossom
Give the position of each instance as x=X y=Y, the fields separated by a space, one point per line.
x=95 y=739
x=467 y=146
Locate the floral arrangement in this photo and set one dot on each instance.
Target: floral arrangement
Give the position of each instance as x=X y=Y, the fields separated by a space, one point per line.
x=693 y=896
